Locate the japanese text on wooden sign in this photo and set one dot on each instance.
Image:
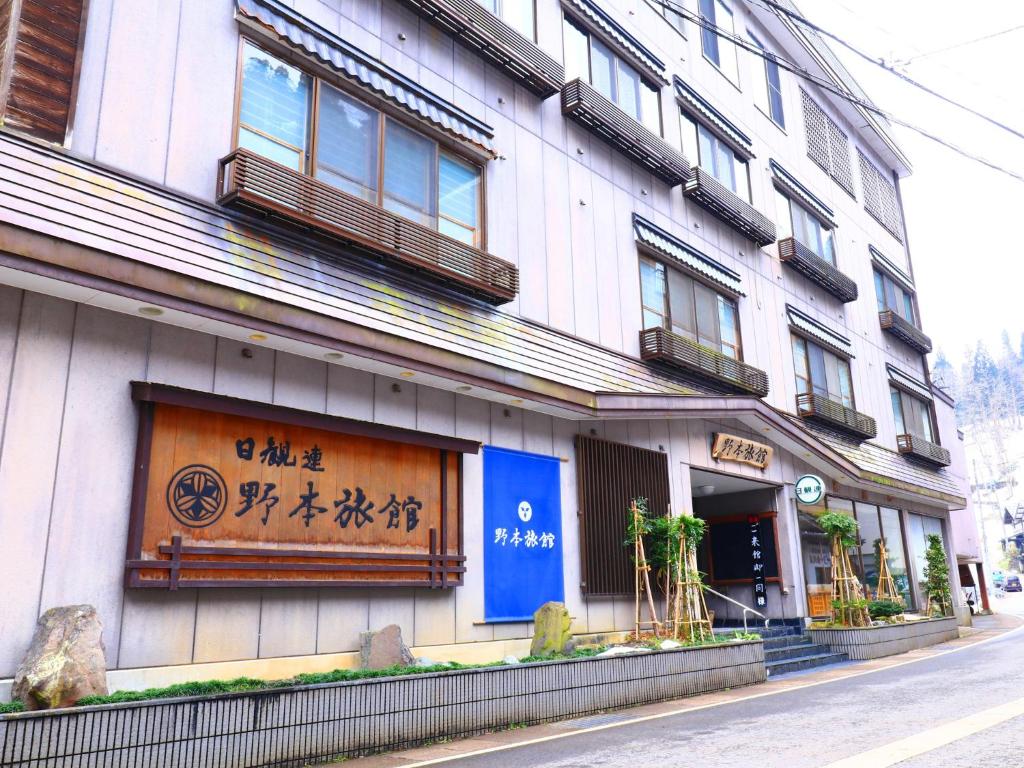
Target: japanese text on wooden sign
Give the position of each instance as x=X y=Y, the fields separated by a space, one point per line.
x=757 y=562
x=725 y=447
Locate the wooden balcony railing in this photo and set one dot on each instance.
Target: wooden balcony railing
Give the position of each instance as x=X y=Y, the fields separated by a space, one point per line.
x=918 y=447
x=247 y=179
x=796 y=255
x=484 y=33
x=724 y=204
x=582 y=103
x=811 y=405
x=665 y=346
x=906 y=332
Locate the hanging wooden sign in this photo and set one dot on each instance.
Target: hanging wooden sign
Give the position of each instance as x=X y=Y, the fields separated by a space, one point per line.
x=231 y=492
x=725 y=447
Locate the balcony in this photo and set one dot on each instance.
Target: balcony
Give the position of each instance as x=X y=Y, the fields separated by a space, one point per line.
x=485 y=34
x=251 y=181
x=797 y=256
x=583 y=104
x=906 y=332
x=724 y=204
x=667 y=347
x=919 y=448
x=820 y=408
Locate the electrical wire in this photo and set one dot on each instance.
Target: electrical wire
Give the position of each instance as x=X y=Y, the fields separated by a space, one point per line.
x=959 y=45
x=804 y=21
x=828 y=85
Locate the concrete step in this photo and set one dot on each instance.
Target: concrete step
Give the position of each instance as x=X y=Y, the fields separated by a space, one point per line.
x=784 y=641
x=766 y=633
x=777 y=668
x=794 y=652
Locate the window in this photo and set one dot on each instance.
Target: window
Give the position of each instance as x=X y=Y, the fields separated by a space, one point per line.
x=518 y=14
x=591 y=60
x=675 y=19
x=718 y=50
x=821 y=372
x=688 y=308
x=892 y=296
x=715 y=156
x=918 y=528
x=827 y=145
x=913 y=415
x=880 y=197
x=359 y=150
x=796 y=221
x=768 y=90
x=273 y=116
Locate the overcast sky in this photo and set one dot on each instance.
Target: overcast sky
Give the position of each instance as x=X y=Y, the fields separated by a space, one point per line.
x=966 y=222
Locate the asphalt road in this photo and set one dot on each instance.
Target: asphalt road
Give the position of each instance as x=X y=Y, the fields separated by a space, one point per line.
x=973 y=699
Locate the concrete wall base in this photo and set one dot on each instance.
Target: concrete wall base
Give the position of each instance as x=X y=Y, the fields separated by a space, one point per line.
x=861 y=643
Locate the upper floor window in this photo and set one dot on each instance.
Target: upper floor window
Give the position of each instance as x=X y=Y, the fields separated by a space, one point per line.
x=913 y=415
x=358 y=149
x=672 y=16
x=827 y=144
x=768 y=88
x=718 y=50
x=796 y=221
x=715 y=156
x=591 y=60
x=687 y=307
x=518 y=14
x=892 y=296
x=821 y=372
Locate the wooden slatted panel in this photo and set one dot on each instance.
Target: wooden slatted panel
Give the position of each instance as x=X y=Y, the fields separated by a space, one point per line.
x=609 y=476
x=906 y=332
x=254 y=181
x=43 y=62
x=725 y=205
x=661 y=344
x=880 y=197
x=796 y=255
x=918 y=447
x=815 y=406
x=583 y=104
x=483 y=32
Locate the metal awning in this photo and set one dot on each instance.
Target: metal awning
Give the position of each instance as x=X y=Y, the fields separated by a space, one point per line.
x=889 y=267
x=661 y=241
x=704 y=112
x=908 y=382
x=274 y=19
x=787 y=183
x=818 y=332
x=625 y=41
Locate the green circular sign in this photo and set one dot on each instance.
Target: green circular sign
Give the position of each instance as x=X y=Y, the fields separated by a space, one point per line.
x=809 y=489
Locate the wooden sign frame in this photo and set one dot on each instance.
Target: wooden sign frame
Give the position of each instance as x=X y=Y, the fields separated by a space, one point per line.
x=173 y=562
x=726 y=447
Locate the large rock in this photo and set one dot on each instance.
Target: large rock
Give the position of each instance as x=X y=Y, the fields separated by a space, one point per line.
x=385 y=648
x=65 y=661
x=551 y=633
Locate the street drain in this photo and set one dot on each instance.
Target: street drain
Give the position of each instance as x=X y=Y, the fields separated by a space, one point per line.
x=581 y=723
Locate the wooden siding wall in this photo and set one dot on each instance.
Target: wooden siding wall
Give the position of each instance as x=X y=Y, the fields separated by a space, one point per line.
x=560 y=200
x=42 y=61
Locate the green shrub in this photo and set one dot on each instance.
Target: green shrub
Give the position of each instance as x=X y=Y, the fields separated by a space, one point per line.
x=837 y=524
x=11 y=707
x=884 y=609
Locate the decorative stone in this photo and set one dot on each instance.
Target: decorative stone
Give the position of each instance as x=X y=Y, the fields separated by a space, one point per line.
x=510 y=659
x=382 y=649
x=668 y=645
x=621 y=650
x=551 y=633
x=65 y=661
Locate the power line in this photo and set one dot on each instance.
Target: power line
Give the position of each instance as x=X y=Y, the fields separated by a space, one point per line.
x=772 y=4
x=827 y=85
x=960 y=45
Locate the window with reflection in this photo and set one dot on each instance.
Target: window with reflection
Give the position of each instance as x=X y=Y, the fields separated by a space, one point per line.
x=358 y=149
x=768 y=90
x=796 y=221
x=718 y=50
x=715 y=156
x=822 y=371
x=518 y=14
x=592 y=60
x=689 y=308
x=891 y=295
x=913 y=415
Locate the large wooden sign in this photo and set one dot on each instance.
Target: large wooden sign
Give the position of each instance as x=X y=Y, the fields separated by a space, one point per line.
x=725 y=447
x=231 y=492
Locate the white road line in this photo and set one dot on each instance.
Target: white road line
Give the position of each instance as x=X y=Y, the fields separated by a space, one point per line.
x=933 y=738
x=684 y=710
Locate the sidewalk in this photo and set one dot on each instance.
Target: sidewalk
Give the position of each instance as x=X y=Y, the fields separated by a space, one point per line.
x=985 y=628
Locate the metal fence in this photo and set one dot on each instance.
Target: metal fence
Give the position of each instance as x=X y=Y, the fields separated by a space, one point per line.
x=293 y=726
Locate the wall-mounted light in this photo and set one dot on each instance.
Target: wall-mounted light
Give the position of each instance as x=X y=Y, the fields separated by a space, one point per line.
x=151 y=311
x=703 y=490
x=334 y=356
x=258 y=336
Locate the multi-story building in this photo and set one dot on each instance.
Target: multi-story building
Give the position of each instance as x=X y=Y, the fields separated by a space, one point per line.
x=322 y=315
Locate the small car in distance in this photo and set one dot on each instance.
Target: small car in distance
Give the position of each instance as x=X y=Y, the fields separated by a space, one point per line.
x=1012 y=583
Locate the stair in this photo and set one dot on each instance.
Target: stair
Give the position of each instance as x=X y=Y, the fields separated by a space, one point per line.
x=789 y=649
